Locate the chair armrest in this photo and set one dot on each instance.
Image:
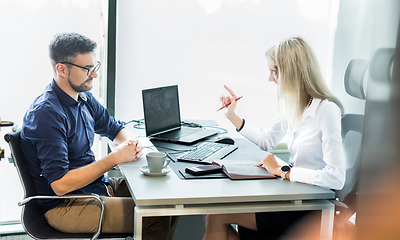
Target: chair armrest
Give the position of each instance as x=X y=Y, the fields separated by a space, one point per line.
x=95 y=196
x=280 y=148
x=338 y=203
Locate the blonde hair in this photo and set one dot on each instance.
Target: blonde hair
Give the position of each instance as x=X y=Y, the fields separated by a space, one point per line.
x=299 y=78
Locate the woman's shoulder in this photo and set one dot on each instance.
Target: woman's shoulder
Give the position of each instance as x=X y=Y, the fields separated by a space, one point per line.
x=328 y=107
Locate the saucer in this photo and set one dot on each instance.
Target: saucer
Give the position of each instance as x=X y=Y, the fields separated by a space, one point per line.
x=145 y=171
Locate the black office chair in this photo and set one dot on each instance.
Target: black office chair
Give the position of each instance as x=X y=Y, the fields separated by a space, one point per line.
x=33 y=219
x=352 y=130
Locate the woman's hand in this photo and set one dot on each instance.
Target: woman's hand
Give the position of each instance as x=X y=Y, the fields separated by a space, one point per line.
x=230 y=110
x=270 y=163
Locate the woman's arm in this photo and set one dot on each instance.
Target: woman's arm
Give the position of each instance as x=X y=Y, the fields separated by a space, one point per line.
x=265 y=139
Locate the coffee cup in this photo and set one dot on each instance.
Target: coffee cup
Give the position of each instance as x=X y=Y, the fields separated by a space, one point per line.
x=156 y=161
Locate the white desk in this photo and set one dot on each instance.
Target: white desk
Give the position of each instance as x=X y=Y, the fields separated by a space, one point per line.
x=171 y=196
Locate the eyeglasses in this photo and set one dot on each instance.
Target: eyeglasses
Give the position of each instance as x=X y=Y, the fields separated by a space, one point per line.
x=89 y=70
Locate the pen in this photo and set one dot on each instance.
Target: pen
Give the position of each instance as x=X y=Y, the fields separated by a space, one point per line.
x=169 y=156
x=229 y=104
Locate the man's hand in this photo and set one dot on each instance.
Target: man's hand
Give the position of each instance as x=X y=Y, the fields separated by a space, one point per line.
x=128 y=151
x=131 y=149
x=139 y=148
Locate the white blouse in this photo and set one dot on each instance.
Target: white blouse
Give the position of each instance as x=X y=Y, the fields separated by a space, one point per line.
x=315 y=147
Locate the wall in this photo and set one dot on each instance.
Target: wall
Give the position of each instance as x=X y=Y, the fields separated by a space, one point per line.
x=360 y=30
x=352 y=41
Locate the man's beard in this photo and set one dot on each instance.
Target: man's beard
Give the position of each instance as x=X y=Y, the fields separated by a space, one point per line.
x=82 y=87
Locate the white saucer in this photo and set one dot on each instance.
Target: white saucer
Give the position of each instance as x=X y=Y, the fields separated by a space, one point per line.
x=145 y=171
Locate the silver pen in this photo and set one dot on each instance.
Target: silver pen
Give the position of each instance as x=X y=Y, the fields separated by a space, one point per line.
x=169 y=156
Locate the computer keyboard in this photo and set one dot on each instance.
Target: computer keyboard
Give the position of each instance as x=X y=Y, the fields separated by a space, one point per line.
x=202 y=151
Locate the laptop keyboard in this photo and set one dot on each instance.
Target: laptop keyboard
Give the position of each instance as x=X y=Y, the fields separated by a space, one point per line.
x=202 y=151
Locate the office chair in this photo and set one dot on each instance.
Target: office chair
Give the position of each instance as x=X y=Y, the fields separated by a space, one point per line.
x=4 y=124
x=352 y=126
x=352 y=130
x=33 y=219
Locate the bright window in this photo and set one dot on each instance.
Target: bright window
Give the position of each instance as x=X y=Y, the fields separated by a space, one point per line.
x=27 y=27
x=203 y=44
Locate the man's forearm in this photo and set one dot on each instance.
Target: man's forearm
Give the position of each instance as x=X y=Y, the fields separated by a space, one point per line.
x=122 y=136
x=83 y=176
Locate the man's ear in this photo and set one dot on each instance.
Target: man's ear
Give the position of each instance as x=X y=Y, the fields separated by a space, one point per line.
x=62 y=70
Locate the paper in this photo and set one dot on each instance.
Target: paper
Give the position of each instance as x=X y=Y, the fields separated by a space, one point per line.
x=245 y=171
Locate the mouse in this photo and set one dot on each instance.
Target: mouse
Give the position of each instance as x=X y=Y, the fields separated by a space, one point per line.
x=225 y=140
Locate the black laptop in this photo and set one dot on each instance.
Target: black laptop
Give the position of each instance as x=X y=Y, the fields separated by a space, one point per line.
x=162 y=117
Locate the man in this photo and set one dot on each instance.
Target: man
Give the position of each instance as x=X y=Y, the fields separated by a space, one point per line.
x=57 y=135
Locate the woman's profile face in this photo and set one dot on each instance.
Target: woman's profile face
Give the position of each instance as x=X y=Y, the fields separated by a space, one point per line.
x=273 y=73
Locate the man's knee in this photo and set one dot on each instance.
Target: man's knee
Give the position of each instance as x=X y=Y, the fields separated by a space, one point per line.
x=154 y=223
x=159 y=227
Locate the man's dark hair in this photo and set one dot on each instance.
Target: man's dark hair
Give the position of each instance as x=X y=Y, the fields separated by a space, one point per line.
x=66 y=46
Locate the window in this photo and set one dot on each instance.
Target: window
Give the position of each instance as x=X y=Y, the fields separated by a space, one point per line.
x=27 y=29
x=202 y=45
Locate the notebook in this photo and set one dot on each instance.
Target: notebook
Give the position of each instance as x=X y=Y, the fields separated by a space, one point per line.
x=162 y=117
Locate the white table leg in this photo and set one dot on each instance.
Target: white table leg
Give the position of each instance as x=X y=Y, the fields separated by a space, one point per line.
x=138 y=220
x=327 y=218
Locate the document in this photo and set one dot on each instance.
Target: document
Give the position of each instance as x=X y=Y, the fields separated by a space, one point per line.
x=244 y=171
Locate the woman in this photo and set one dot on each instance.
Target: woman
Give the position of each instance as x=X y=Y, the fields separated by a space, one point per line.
x=310 y=118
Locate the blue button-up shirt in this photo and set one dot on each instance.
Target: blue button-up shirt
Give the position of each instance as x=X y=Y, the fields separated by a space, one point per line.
x=57 y=136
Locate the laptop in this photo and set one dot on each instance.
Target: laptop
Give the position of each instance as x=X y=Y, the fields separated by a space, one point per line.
x=162 y=117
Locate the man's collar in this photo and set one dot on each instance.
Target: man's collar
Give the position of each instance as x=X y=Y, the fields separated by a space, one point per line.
x=66 y=99
x=82 y=99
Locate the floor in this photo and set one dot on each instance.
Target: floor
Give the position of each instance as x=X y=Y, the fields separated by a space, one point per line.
x=15 y=237
x=192 y=226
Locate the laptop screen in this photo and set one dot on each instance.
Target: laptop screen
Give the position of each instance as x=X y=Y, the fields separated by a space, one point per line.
x=161 y=109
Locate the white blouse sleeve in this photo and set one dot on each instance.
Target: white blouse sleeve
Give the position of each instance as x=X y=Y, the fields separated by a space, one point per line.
x=334 y=173
x=264 y=139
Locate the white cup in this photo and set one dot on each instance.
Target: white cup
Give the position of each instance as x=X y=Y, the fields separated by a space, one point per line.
x=156 y=161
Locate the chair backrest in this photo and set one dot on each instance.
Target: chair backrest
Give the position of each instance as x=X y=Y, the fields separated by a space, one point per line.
x=352 y=127
x=354 y=78
x=33 y=220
